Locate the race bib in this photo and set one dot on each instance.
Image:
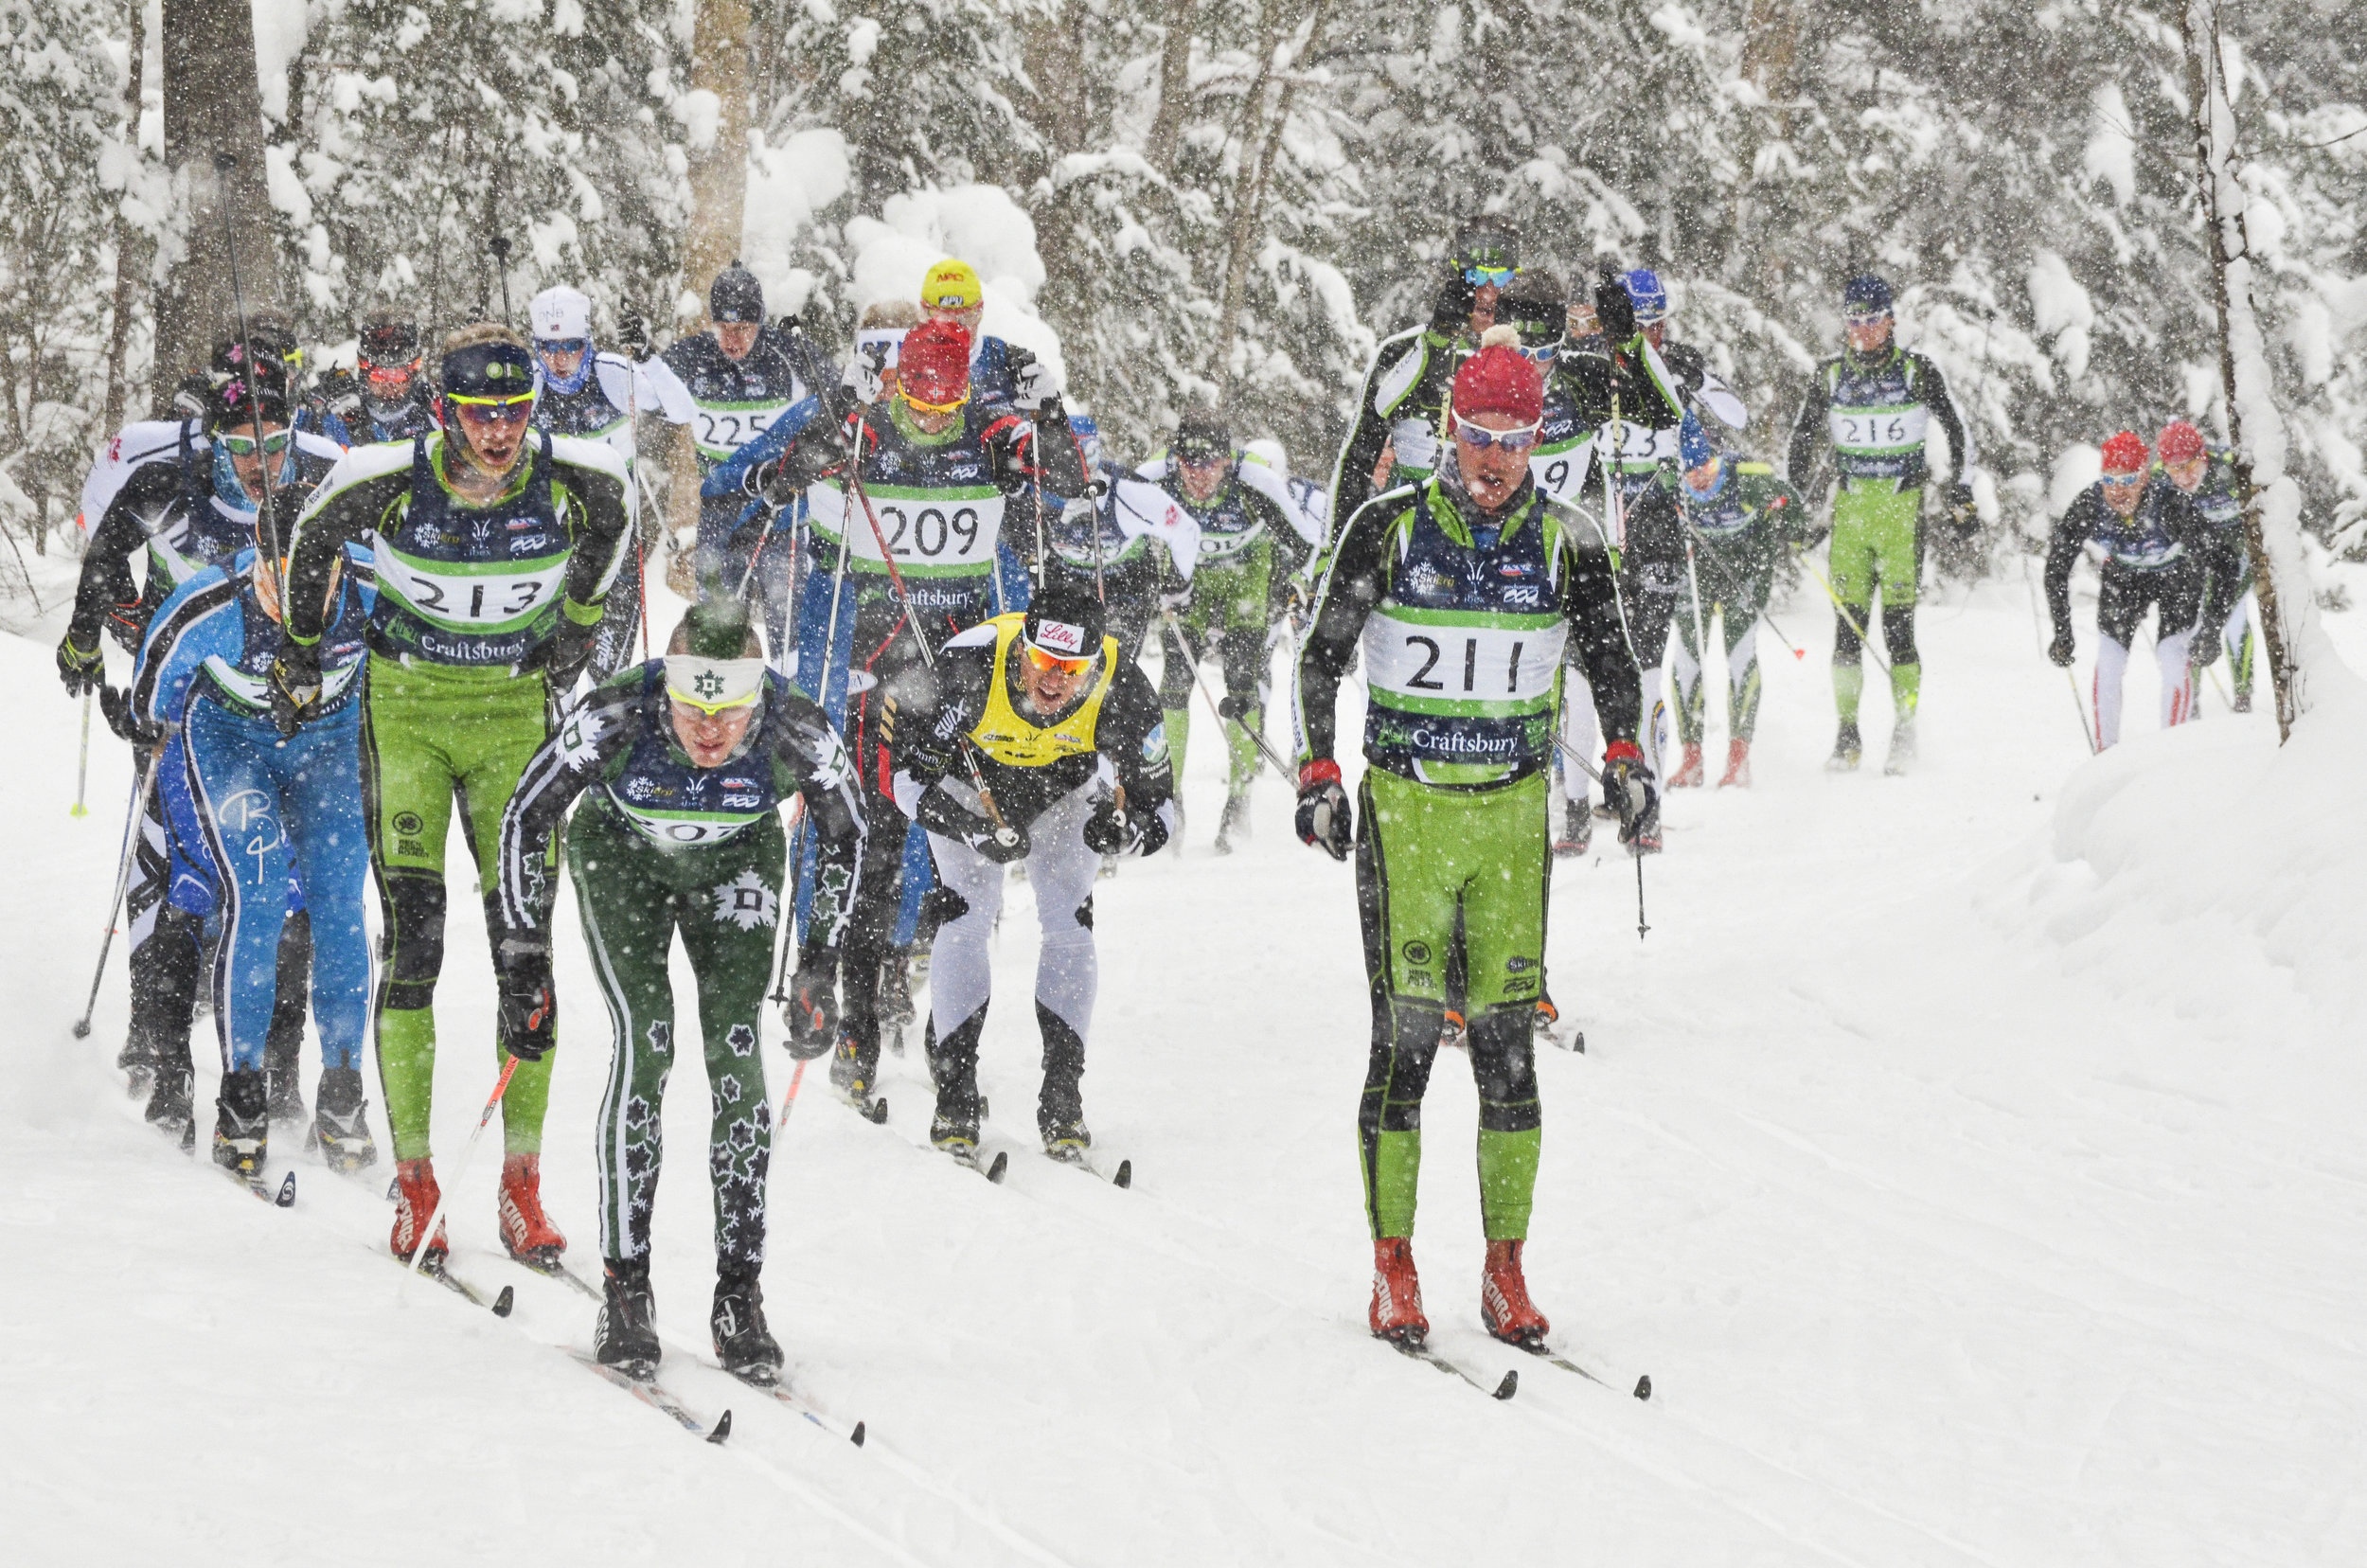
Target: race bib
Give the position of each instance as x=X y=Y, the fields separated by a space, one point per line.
x=1561 y=474
x=1878 y=429
x=1424 y=663
x=499 y=597
x=942 y=530
x=721 y=432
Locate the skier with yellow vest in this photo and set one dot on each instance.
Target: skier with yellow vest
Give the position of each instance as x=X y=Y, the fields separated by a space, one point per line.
x=1031 y=740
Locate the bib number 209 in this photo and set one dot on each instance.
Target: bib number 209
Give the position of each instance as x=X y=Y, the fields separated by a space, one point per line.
x=929 y=533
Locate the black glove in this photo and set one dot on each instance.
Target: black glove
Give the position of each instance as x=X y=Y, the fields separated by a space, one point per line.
x=1961 y=509
x=633 y=332
x=1451 y=316
x=82 y=669
x=1324 y=817
x=2060 y=649
x=812 y=1005
x=529 y=1008
x=1627 y=784
x=125 y=719
x=294 y=681
x=1614 y=310
x=566 y=654
x=1111 y=832
x=943 y=815
x=340 y=393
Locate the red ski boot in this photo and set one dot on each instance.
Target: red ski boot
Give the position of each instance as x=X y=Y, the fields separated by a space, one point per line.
x=1505 y=1310
x=416 y=1197
x=1688 y=773
x=1397 y=1310
x=1738 y=765
x=526 y=1231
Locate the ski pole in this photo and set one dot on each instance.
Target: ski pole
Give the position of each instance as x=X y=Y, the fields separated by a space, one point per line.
x=789 y=1103
x=1264 y=746
x=1834 y=593
x=82 y=774
x=443 y=1196
x=123 y=877
x=1789 y=647
x=2079 y=705
x=1639 y=927
x=499 y=246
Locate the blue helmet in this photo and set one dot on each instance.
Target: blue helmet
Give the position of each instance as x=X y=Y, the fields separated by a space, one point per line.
x=1866 y=295
x=1694 y=446
x=1651 y=298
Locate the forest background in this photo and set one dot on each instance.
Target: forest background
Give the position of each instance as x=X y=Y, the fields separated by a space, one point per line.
x=1179 y=200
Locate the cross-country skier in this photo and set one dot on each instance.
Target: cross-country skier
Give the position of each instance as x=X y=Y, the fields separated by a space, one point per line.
x=1253 y=528
x=903 y=548
x=1688 y=366
x=185 y=496
x=388 y=399
x=1032 y=739
x=494 y=547
x=1738 y=517
x=1122 y=551
x=1400 y=409
x=1873 y=402
x=2158 y=551
x=583 y=392
x=685 y=762
x=1458 y=596
x=247 y=808
x=2208 y=475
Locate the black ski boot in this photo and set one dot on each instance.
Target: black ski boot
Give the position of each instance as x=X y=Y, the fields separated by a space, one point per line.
x=895 y=999
x=1847 y=750
x=170 y=1109
x=283 y=1039
x=136 y=1062
x=241 y=1124
x=340 y=1125
x=626 y=1335
x=1233 y=826
x=1061 y=1104
x=743 y=1346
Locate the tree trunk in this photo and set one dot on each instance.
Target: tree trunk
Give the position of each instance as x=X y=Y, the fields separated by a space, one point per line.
x=718 y=170
x=2255 y=428
x=1250 y=186
x=1175 y=87
x=212 y=108
x=119 y=233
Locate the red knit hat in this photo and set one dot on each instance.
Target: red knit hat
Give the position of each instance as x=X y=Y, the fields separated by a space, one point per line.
x=2180 y=443
x=932 y=366
x=1498 y=381
x=2125 y=454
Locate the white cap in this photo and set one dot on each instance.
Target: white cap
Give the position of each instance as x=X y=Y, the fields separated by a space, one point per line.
x=713 y=684
x=561 y=313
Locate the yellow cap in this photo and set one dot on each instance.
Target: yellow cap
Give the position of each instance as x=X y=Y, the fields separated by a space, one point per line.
x=951 y=286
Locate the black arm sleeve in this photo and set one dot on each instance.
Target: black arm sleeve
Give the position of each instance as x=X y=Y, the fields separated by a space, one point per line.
x=331 y=520
x=2078 y=526
x=1807 y=428
x=1589 y=600
x=105 y=589
x=812 y=753
x=1351 y=588
x=601 y=534
x=1352 y=475
x=594 y=734
x=1129 y=716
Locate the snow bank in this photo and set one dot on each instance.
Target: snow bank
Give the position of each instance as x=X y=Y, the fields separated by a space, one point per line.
x=981 y=225
x=2190 y=859
x=787 y=186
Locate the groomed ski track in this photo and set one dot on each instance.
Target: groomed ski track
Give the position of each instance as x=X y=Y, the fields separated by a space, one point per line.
x=1961 y=1215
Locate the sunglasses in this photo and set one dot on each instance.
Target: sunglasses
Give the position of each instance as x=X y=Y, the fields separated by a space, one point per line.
x=927 y=407
x=1511 y=440
x=2124 y=480
x=1195 y=457
x=243 y=446
x=493 y=410
x=548 y=346
x=1861 y=321
x=1048 y=663
x=389 y=375
x=1480 y=278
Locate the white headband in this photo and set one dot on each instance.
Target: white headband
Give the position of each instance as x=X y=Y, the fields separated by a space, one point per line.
x=713 y=684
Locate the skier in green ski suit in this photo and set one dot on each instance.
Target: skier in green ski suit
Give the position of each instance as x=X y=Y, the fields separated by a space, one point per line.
x=1458 y=596
x=1873 y=402
x=495 y=545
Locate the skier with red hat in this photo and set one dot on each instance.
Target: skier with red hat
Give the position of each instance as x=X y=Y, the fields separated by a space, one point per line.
x=1459 y=594
x=2207 y=474
x=2157 y=551
x=901 y=548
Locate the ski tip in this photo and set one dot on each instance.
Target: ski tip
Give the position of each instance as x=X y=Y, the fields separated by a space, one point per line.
x=1578 y=1042
x=723 y=1428
x=1507 y=1389
x=287 y=1192
x=394 y=1191
x=1124 y=1178
x=1644 y=1386
x=858 y=1435
x=876 y=1115
x=504 y=1301
x=1001 y=1163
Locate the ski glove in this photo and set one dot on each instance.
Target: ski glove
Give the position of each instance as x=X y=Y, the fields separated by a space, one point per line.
x=2060 y=649
x=866 y=375
x=811 y=1009
x=566 y=654
x=1627 y=784
x=1962 y=510
x=294 y=681
x=1111 y=832
x=125 y=719
x=1034 y=387
x=1614 y=310
x=1451 y=316
x=529 y=1011
x=634 y=334
x=1324 y=818
x=340 y=393
x=81 y=669
x=939 y=811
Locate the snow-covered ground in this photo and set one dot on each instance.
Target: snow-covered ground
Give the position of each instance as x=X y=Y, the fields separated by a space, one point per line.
x=1971 y=1159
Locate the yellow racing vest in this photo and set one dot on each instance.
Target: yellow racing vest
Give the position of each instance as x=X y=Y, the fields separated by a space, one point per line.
x=1002 y=735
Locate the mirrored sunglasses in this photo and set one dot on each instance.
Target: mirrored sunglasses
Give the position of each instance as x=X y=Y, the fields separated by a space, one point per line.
x=243 y=446
x=1039 y=659
x=1511 y=440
